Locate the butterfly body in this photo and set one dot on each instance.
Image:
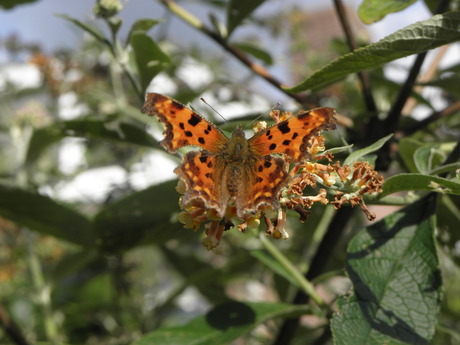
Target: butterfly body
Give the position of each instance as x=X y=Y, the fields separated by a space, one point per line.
x=234 y=173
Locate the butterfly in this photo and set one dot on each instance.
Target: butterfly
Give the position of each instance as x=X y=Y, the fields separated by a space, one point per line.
x=245 y=174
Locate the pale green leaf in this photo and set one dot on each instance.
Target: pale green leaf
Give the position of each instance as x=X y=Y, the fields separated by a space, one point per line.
x=359 y=154
x=406 y=182
x=371 y=11
x=413 y=39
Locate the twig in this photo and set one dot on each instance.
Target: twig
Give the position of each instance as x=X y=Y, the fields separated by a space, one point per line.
x=428 y=75
x=451 y=109
x=392 y=120
x=325 y=250
x=11 y=328
x=363 y=76
x=256 y=68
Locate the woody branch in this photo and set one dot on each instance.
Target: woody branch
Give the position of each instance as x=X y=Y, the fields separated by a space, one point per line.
x=255 y=67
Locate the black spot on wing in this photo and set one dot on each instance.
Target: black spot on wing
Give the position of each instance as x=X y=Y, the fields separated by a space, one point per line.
x=181 y=125
x=295 y=135
x=267 y=164
x=272 y=146
x=286 y=142
x=284 y=127
x=188 y=133
x=201 y=140
x=203 y=159
x=194 y=120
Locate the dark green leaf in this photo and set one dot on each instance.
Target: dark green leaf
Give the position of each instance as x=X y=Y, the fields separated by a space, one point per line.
x=89 y=29
x=238 y=10
x=43 y=214
x=70 y=264
x=371 y=11
x=256 y=52
x=150 y=59
x=41 y=139
x=9 y=4
x=405 y=182
x=358 y=154
x=393 y=266
x=122 y=132
x=432 y=5
x=222 y=325
x=416 y=38
x=141 y=218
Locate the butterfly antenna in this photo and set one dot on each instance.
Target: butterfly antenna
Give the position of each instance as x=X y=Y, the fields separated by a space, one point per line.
x=210 y=106
x=267 y=112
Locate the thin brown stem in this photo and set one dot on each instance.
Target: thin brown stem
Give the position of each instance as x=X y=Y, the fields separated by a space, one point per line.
x=363 y=76
x=451 y=109
x=255 y=67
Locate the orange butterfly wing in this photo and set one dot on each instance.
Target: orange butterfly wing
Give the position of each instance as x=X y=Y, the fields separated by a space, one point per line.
x=202 y=175
x=291 y=136
x=183 y=126
x=262 y=184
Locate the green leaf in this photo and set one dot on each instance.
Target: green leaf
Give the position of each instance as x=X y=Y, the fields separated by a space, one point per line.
x=445 y=168
x=89 y=29
x=239 y=10
x=42 y=214
x=150 y=59
x=256 y=52
x=223 y=324
x=274 y=265
x=416 y=38
x=141 y=218
x=405 y=182
x=9 y=4
x=407 y=148
x=393 y=266
x=358 y=154
x=371 y=11
x=142 y=25
x=118 y=131
x=429 y=156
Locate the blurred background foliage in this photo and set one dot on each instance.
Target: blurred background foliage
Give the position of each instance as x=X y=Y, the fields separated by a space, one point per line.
x=91 y=249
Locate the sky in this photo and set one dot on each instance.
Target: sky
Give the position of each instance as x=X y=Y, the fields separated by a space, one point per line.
x=38 y=22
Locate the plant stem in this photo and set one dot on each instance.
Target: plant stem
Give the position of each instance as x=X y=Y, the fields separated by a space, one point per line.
x=256 y=68
x=42 y=289
x=306 y=286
